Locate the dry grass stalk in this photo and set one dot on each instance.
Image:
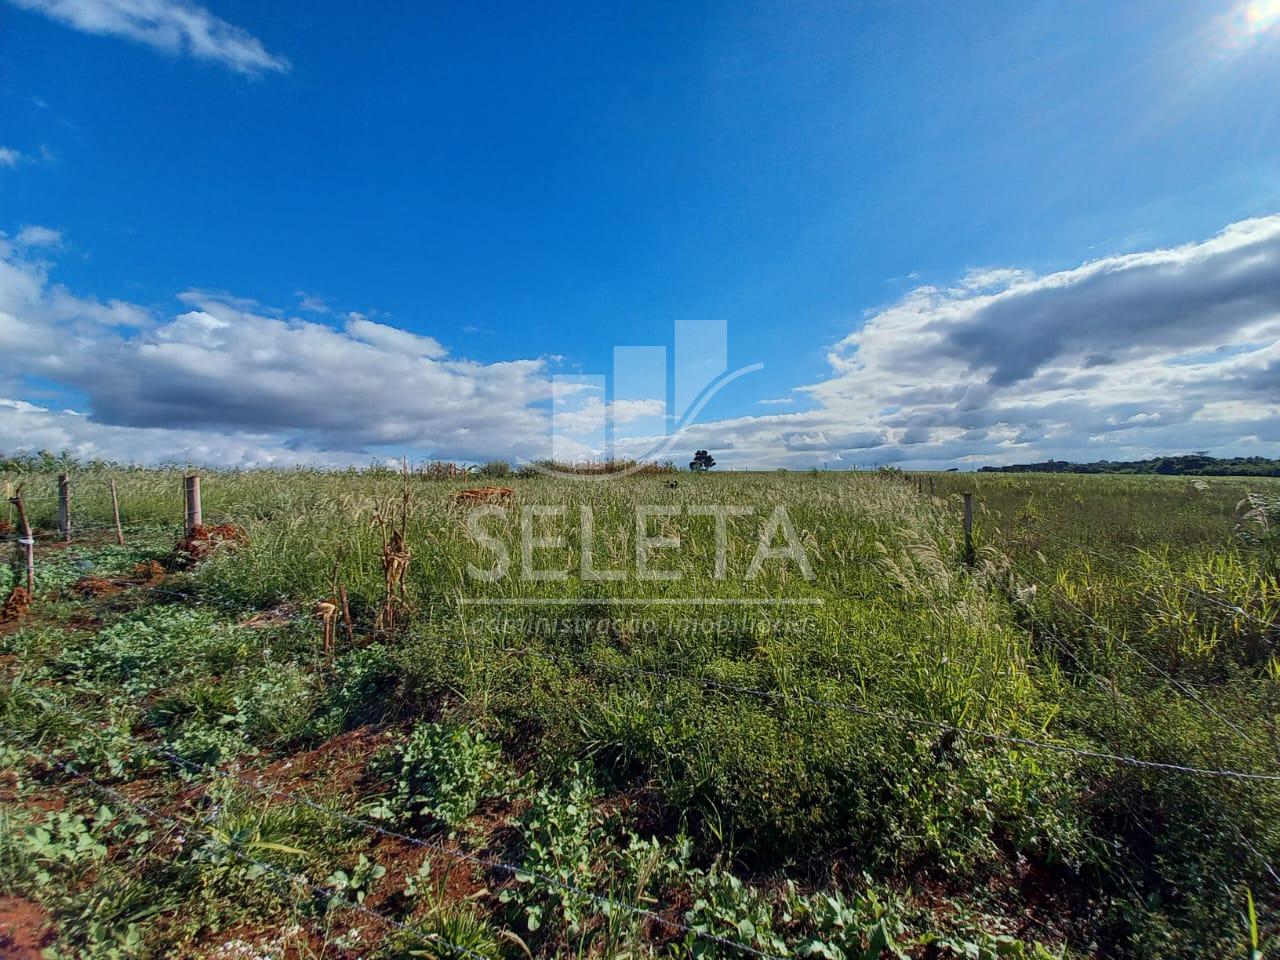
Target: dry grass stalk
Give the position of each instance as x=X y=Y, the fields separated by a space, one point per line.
x=328 y=614
x=395 y=560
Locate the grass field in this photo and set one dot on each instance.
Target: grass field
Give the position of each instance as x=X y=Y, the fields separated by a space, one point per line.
x=807 y=729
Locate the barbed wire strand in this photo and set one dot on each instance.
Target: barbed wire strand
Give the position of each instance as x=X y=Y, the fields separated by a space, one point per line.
x=900 y=719
x=1158 y=765
x=1108 y=685
x=1185 y=587
x=489 y=863
x=293 y=879
x=1188 y=691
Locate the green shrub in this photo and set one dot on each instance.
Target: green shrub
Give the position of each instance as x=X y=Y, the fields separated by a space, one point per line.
x=360 y=693
x=439 y=772
x=562 y=835
x=155 y=647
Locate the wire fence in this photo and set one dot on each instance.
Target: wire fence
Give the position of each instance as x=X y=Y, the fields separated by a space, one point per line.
x=1146 y=661
x=887 y=716
x=514 y=870
x=784 y=697
x=290 y=880
x=494 y=864
x=1108 y=686
x=898 y=719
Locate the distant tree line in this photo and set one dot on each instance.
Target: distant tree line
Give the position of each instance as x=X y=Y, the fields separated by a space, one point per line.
x=1187 y=465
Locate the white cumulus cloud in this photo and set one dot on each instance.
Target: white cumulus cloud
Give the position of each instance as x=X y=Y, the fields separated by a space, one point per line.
x=254 y=385
x=173 y=26
x=1163 y=351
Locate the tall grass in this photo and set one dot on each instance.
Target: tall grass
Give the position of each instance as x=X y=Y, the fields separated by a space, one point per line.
x=716 y=713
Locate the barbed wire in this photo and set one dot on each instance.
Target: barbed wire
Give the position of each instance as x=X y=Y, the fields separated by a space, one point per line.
x=490 y=863
x=513 y=870
x=1185 y=587
x=772 y=695
x=900 y=719
x=1151 y=664
x=1108 y=685
x=53 y=535
x=236 y=850
x=919 y=722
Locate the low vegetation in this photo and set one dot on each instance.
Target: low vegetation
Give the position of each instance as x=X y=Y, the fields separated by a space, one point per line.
x=1189 y=465
x=1060 y=751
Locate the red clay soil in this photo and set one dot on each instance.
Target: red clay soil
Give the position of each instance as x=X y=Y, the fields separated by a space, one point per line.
x=339 y=764
x=49 y=800
x=92 y=586
x=24 y=929
x=16 y=607
x=8 y=786
x=148 y=574
x=204 y=541
x=454 y=878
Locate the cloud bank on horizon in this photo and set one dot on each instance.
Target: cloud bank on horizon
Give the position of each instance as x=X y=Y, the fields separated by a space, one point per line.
x=1163 y=351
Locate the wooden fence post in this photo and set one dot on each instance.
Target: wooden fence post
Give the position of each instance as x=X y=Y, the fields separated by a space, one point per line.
x=931 y=484
x=26 y=541
x=969 y=555
x=64 y=506
x=194 y=517
x=115 y=513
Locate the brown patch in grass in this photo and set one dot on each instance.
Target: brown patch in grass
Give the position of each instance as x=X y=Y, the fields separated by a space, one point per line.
x=202 y=542
x=45 y=800
x=24 y=929
x=92 y=586
x=277 y=616
x=148 y=573
x=453 y=878
x=1035 y=901
x=339 y=764
x=16 y=606
x=478 y=495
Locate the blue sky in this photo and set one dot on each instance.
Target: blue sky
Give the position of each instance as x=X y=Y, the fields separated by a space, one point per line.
x=525 y=189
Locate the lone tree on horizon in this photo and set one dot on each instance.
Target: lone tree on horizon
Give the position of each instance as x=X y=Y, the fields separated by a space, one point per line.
x=702 y=461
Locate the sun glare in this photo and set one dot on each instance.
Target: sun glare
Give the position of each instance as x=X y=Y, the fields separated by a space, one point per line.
x=1261 y=15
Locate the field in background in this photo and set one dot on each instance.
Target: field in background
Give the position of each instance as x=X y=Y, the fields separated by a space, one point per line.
x=1068 y=747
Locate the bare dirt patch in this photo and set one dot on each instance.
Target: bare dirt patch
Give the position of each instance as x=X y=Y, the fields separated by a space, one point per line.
x=16 y=606
x=148 y=574
x=202 y=542
x=339 y=764
x=24 y=929
x=92 y=587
